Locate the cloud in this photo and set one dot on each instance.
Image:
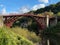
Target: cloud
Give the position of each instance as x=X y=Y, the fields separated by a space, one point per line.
x=1 y=5
x=38 y=6
x=21 y=10
x=13 y=12
x=3 y=11
x=24 y=9
x=44 y=1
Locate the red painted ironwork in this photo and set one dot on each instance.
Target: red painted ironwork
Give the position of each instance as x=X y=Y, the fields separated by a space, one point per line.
x=10 y=19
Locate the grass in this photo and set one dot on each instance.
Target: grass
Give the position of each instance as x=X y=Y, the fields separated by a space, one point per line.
x=26 y=33
x=7 y=37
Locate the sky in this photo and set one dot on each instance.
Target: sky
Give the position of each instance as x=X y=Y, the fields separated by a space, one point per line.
x=23 y=6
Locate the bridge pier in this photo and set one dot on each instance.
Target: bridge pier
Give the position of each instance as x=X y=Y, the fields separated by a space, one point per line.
x=47 y=21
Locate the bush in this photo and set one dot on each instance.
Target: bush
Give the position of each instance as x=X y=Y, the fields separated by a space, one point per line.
x=27 y=34
x=53 y=33
x=7 y=37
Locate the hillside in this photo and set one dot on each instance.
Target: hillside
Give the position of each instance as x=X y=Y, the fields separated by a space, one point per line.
x=7 y=37
x=55 y=8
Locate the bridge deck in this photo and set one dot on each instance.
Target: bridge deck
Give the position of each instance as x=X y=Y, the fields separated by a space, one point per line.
x=31 y=15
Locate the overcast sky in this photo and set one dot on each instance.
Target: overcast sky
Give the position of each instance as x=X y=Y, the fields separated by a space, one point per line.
x=23 y=6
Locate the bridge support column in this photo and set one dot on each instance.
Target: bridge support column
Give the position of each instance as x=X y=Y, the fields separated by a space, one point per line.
x=47 y=21
x=47 y=24
x=48 y=42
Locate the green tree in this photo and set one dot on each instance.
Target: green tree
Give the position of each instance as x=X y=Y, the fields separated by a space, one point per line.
x=58 y=14
x=53 y=34
x=55 y=8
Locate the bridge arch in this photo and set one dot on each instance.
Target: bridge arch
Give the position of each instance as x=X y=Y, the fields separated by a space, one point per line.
x=27 y=22
x=9 y=20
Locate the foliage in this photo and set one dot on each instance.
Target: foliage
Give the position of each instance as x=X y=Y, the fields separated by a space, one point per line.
x=7 y=37
x=30 y=23
x=53 y=33
x=58 y=13
x=55 y=8
x=33 y=27
x=27 y=34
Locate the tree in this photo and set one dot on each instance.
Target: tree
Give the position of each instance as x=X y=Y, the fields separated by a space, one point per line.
x=58 y=14
x=53 y=34
x=55 y=8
